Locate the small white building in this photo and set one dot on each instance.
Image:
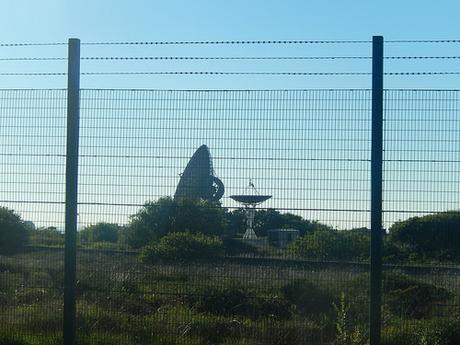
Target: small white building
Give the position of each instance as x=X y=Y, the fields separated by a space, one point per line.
x=282 y=237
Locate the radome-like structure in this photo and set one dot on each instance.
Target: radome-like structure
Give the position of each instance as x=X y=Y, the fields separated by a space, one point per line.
x=198 y=180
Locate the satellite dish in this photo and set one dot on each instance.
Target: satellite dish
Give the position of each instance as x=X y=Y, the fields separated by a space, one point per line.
x=198 y=180
x=250 y=201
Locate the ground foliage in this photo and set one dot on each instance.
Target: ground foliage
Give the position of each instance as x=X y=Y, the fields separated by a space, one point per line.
x=14 y=233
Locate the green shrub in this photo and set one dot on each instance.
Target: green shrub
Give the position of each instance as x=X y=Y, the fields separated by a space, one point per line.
x=49 y=236
x=231 y=300
x=426 y=332
x=167 y=215
x=212 y=330
x=100 y=232
x=10 y=340
x=397 y=335
x=392 y=252
x=274 y=307
x=309 y=299
x=237 y=300
x=183 y=246
x=295 y=332
x=428 y=237
x=410 y=297
x=268 y=219
x=448 y=331
x=23 y=339
x=234 y=246
x=14 y=233
x=331 y=244
x=347 y=333
x=403 y=295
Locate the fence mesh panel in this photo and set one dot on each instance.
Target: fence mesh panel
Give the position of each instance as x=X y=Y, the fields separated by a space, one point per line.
x=32 y=169
x=308 y=149
x=161 y=265
x=421 y=211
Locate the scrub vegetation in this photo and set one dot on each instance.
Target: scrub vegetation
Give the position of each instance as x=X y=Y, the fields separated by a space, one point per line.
x=167 y=278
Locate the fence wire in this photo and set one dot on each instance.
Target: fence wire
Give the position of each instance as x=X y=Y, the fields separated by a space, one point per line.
x=155 y=266
x=421 y=210
x=32 y=185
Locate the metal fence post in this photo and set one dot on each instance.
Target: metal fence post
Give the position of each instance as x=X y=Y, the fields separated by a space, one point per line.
x=376 y=192
x=70 y=253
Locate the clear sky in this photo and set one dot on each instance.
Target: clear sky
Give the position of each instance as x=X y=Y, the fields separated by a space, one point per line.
x=115 y=124
x=106 y=21
x=93 y=20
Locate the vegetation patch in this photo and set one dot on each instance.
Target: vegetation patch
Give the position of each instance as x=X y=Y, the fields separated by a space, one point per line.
x=236 y=300
x=429 y=237
x=410 y=297
x=14 y=234
x=184 y=246
x=330 y=244
x=309 y=299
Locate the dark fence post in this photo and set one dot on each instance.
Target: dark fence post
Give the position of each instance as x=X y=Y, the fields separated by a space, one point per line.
x=70 y=253
x=376 y=192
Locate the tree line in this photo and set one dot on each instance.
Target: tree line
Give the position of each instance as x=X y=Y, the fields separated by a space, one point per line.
x=425 y=238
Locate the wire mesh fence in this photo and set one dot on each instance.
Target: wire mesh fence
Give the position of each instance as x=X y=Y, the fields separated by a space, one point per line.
x=32 y=144
x=158 y=266
x=135 y=147
x=421 y=209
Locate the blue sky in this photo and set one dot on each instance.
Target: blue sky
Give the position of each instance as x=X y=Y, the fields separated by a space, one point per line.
x=106 y=21
x=28 y=20
x=410 y=186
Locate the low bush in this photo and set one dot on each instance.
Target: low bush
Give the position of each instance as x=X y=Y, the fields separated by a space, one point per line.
x=232 y=300
x=329 y=244
x=308 y=299
x=410 y=297
x=100 y=232
x=14 y=234
x=237 y=300
x=397 y=335
x=426 y=332
x=403 y=295
x=213 y=330
x=295 y=332
x=49 y=236
x=347 y=332
x=22 y=339
x=234 y=246
x=448 y=331
x=10 y=340
x=183 y=246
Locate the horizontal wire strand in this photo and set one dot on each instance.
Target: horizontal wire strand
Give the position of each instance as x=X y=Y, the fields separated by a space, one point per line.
x=33 y=44
x=229 y=42
x=230 y=73
x=232 y=58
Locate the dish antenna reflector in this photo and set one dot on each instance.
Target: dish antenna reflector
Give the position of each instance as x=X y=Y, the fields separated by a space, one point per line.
x=249 y=201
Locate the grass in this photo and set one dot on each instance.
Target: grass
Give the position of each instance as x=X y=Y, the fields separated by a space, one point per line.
x=122 y=301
